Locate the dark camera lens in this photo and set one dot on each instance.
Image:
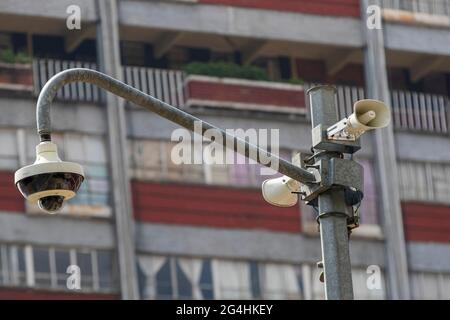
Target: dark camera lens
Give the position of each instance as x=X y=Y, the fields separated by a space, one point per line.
x=51 y=204
x=50 y=181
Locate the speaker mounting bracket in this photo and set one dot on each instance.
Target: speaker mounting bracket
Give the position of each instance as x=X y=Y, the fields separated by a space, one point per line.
x=322 y=141
x=340 y=132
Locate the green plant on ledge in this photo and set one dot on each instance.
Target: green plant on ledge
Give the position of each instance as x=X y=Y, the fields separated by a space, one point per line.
x=226 y=70
x=232 y=70
x=297 y=81
x=8 y=56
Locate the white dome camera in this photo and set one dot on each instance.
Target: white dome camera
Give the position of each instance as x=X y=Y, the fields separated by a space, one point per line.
x=281 y=192
x=49 y=181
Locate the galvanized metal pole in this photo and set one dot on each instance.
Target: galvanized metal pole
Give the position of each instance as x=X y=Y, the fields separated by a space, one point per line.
x=333 y=211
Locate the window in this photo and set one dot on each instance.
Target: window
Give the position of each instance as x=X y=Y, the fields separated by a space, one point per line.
x=21 y=266
x=360 y=289
x=42 y=272
x=84 y=261
x=255 y=280
x=193 y=278
x=12 y=265
x=206 y=281
x=172 y=282
x=164 y=281
x=281 y=281
x=47 y=267
x=184 y=172
x=424 y=181
x=176 y=278
x=430 y=286
x=251 y=280
x=151 y=160
x=232 y=279
x=9 y=159
x=368 y=209
x=106 y=271
x=90 y=151
x=62 y=261
x=145 y=159
x=184 y=285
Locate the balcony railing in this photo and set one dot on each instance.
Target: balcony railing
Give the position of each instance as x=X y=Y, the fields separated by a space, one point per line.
x=414 y=111
x=166 y=85
x=44 y=69
x=410 y=110
x=420 y=111
x=346 y=96
x=432 y=7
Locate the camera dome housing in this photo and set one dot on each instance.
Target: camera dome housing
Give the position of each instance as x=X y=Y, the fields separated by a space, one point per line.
x=49 y=181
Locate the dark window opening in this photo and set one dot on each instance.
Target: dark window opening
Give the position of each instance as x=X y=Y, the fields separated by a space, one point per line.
x=164 y=282
x=184 y=285
x=53 y=47
x=206 y=282
x=254 y=280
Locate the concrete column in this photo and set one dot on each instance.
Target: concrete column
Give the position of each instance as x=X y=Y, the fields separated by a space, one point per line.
x=385 y=163
x=109 y=62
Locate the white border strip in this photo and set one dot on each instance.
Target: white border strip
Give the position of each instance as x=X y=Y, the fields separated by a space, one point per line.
x=245 y=106
x=248 y=83
x=416 y=18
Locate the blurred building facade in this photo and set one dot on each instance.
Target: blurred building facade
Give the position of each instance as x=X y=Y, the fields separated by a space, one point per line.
x=145 y=228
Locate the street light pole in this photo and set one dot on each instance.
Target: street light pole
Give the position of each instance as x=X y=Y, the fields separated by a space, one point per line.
x=329 y=182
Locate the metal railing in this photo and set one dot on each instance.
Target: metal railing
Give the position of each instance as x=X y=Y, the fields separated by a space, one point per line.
x=410 y=110
x=44 y=69
x=419 y=111
x=346 y=96
x=165 y=85
x=433 y=7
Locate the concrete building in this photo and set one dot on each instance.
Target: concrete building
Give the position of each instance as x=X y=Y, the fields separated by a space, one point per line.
x=143 y=227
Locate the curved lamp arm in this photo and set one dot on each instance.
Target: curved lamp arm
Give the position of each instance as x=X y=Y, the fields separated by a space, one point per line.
x=152 y=104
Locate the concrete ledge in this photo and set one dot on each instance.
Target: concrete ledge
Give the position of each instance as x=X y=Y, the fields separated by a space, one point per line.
x=245 y=244
x=70 y=116
x=429 y=257
x=416 y=18
x=242 y=22
x=422 y=147
x=419 y=39
x=54 y=230
x=48 y=8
